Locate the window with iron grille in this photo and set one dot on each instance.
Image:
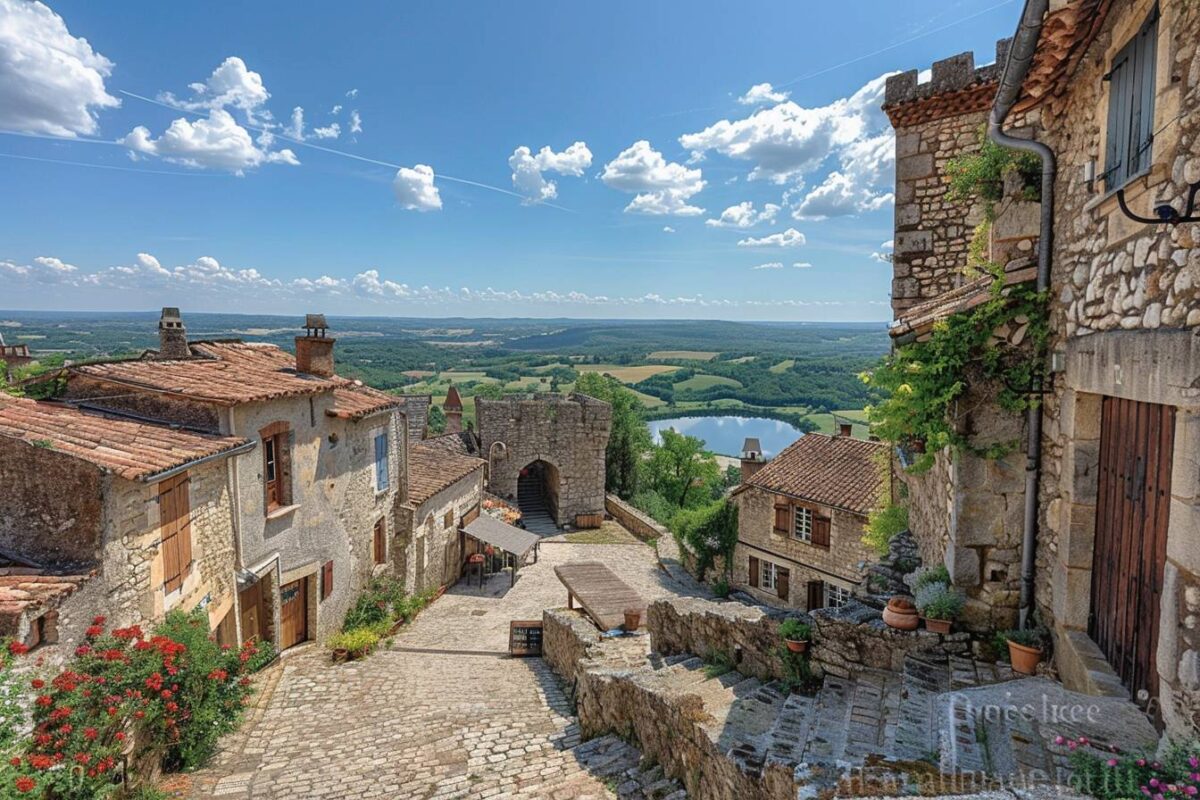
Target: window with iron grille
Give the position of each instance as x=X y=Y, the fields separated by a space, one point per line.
x=836 y=596
x=1130 y=130
x=802 y=524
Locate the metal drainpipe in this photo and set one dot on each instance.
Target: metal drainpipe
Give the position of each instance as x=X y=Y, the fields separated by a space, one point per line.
x=1016 y=66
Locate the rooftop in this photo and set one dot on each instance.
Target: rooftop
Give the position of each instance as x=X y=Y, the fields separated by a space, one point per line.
x=356 y=401
x=837 y=471
x=432 y=468
x=134 y=450
x=919 y=319
x=23 y=589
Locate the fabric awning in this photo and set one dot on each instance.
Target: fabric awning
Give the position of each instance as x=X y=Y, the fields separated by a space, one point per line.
x=499 y=534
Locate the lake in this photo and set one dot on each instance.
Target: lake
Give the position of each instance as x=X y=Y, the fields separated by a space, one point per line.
x=725 y=434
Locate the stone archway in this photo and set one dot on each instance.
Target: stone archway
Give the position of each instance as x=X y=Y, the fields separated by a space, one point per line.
x=537 y=496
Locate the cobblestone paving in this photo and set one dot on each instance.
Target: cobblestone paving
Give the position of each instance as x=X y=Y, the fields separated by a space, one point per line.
x=439 y=715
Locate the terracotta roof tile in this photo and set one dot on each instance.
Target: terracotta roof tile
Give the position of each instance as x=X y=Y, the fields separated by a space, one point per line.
x=226 y=373
x=920 y=319
x=133 y=450
x=462 y=443
x=432 y=468
x=356 y=401
x=23 y=590
x=835 y=471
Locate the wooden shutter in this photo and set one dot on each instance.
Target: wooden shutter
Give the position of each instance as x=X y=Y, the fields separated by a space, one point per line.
x=783 y=517
x=816 y=595
x=176 y=530
x=781 y=582
x=470 y=517
x=183 y=509
x=820 y=531
x=754 y=572
x=326 y=580
x=380 y=542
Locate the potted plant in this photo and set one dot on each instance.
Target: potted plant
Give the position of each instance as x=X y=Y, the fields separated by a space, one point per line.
x=1024 y=649
x=939 y=605
x=633 y=619
x=901 y=614
x=796 y=634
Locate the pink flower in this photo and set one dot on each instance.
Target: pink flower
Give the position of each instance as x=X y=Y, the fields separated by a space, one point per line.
x=1112 y=762
x=1059 y=740
x=1072 y=745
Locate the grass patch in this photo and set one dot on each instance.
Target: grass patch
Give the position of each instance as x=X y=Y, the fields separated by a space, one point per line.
x=628 y=374
x=608 y=533
x=782 y=366
x=685 y=355
x=701 y=382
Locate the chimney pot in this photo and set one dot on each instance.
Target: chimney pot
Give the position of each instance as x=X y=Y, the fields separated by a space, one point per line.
x=314 y=350
x=845 y=429
x=172 y=335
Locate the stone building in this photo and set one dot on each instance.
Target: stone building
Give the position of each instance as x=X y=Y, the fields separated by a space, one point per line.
x=445 y=489
x=311 y=507
x=1113 y=90
x=801 y=520
x=145 y=508
x=547 y=451
x=13 y=356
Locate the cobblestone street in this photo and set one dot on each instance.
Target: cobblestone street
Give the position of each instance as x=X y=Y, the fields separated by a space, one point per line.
x=443 y=713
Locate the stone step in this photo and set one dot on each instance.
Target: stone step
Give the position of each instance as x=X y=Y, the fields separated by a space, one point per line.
x=916 y=728
x=790 y=731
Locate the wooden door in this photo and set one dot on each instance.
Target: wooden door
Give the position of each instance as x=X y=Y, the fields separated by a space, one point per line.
x=1133 y=505
x=293 y=613
x=250 y=601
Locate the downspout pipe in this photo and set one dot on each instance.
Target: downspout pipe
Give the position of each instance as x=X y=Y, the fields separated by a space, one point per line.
x=1016 y=67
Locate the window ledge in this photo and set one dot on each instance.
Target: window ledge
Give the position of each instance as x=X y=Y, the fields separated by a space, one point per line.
x=282 y=511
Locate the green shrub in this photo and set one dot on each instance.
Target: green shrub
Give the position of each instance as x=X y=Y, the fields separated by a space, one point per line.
x=358 y=641
x=928 y=575
x=939 y=601
x=1116 y=775
x=795 y=630
x=709 y=532
x=1027 y=637
x=721 y=587
x=883 y=525
x=717 y=663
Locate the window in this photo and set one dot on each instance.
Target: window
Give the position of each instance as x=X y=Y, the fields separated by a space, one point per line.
x=767 y=576
x=326 y=580
x=276 y=447
x=175 y=527
x=380 y=541
x=382 y=478
x=836 y=596
x=802 y=525
x=1131 y=107
x=448 y=519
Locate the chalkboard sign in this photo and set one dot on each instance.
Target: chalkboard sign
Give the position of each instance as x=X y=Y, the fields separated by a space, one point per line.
x=525 y=638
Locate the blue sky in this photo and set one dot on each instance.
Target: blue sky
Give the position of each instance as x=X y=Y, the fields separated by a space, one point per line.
x=676 y=184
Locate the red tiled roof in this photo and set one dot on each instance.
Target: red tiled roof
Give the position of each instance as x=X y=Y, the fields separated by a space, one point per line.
x=453 y=401
x=837 y=471
x=226 y=373
x=356 y=401
x=431 y=469
x=462 y=443
x=920 y=319
x=23 y=589
x=133 y=450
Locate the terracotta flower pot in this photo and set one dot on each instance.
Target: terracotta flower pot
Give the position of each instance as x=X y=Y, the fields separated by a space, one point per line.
x=901 y=614
x=1024 y=659
x=340 y=654
x=633 y=619
x=941 y=626
x=796 y=645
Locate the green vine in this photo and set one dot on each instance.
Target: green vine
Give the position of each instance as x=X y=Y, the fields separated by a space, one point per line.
x=980 y=175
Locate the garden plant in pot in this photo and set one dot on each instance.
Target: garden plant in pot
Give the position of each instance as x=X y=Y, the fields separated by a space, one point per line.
x=796 y=634
x=939 y=605
x=1025 y=649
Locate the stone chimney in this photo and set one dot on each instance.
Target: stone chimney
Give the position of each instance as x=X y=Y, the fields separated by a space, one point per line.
x=845 y=429
x=172 y=336
x=453 y=409
x=752 y=458
x=314 y=350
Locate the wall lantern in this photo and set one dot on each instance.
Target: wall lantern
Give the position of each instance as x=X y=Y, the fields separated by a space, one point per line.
x=1164 y=213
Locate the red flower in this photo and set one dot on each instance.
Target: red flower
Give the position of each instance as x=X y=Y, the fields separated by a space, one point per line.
x=120 y=735
x=25 y=784
x=65 y=730
x=82 y=758
x=44 y=700
x=37 y=683
x=18 y=648
x=172 y=707
x=98 y=620
x=218 y=675
x=139 y=714
x=94 y=631
x=90 y=733
x=82 y=650
x=112 y=711
x=166 y=694
x=40 y=761
x=15 y=761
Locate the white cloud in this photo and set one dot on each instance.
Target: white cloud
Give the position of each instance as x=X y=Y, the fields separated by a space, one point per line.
x=770 y=265
x=11 y=269
x=230 y=84
x=789 y=238
x=668 y=229
x=352 y=93
x=661 y=187
x=330 y=131
x=215 y=142
x=787 y=140
x=743 y=215
x=527 y=169
x=337 y=109
x=761 y=93
x=355 y=122
x=862 y=183
x=415 y=190
x=54 y=266
x=802 y=265
x=295 y=128
x=884 y=254
x=51 y=82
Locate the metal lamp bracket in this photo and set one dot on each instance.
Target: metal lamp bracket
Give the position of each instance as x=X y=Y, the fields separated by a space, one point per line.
x=1165 y=212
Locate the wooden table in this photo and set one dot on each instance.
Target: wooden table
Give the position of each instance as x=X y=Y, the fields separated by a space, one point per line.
x=601 y=594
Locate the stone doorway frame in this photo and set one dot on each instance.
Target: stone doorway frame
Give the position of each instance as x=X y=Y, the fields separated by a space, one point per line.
x=1146 y=366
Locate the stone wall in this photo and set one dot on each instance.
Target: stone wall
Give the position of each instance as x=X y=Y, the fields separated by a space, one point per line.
x=426 y=553
x=747 y=635
x=843 y=563
x=568 y=640
x=637 y=522
x=51 y=505
x=848 y=639
x=569 y=433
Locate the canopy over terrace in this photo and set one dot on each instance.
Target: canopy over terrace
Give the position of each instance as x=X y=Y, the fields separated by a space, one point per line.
x=512 y=540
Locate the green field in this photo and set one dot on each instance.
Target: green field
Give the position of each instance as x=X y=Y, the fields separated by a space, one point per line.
x=685 y=355
x=700 y=382
x=783 y=366
x=627 y=374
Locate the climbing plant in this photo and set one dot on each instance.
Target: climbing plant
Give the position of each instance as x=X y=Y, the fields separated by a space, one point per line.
x=980 y=175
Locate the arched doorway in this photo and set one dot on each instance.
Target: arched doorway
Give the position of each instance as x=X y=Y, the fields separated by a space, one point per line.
x=537 y=496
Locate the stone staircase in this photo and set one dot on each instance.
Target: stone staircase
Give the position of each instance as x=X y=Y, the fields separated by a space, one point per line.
x=896 y=729
x=615 y=763
x=535 y=512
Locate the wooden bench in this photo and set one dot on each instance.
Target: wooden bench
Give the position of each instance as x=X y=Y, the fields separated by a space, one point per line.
x=601 y=594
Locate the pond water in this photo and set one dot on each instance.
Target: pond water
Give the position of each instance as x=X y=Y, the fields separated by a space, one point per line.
x=725 y=434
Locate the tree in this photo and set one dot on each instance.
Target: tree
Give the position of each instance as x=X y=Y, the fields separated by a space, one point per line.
x=437 y=420
x=709 y=531
x=682 y=471
x=629 y=439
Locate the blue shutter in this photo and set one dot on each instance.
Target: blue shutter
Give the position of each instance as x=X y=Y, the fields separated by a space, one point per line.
x=1142 y=124
x=1117 y=146
x=381 y=461
x=1131 y=107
